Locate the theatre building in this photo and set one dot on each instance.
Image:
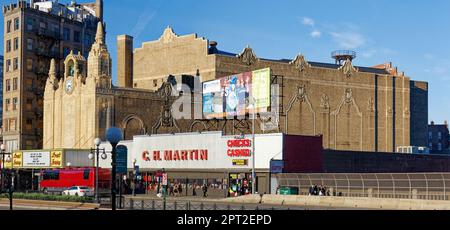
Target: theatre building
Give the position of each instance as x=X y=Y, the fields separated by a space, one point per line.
x=212 y=156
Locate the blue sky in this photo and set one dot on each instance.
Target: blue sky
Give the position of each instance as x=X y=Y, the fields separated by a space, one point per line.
x=414 y=35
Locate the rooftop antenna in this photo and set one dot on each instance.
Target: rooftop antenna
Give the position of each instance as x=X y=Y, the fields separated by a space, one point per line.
x=343 y=55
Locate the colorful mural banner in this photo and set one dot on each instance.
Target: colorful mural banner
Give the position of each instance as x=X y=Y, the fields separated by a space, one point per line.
x=232 y=95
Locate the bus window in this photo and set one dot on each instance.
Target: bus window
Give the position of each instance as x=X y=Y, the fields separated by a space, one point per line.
x=51 y=175
x=86 y=174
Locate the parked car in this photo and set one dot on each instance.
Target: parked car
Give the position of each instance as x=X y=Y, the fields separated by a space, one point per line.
x=79 y=191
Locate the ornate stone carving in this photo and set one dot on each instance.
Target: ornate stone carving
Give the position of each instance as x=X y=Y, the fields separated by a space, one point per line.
x=300 y=63
x=301 y=93
x=348 y=96
x=348 y=68
x=166 y=119
x=370 y=105
x=247 y=56
x=325 y=101
x=168 y=35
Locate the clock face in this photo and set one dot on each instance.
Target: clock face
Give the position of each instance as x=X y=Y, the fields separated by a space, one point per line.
x=69 y=85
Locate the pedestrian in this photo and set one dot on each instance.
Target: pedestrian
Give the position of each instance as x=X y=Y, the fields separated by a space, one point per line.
x=194 y=193
x=180 y=189
x=311 y=190
x=205 y=190
x=171 y=190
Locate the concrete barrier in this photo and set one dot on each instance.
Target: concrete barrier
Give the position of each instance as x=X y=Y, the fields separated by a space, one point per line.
x=344 y=202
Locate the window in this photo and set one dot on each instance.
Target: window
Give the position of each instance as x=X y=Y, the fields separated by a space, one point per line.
x=8 y=46
x=51 y=175
x=43 y=25
x=66 y=51
x=16 y=23
x=87 y=39
x=30 y=44
x=7 y=104
x=29 y=104
x=15 y=83
x=15 y=103
x=30 y=24
x=439 y=146
x=86 y=174
x=8 y=65
x=29 y=64
x=66 y=34
x=12 y=125
x=16 y=43
x=76 y=36
x=440 y=135
x=16 y=63
x=8 y=26
x=8 y=85
x=431 y=146
x=29 y=124
x=5 y=126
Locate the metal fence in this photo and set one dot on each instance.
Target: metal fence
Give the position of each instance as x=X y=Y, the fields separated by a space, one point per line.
x=158 y=204
x=427 y=186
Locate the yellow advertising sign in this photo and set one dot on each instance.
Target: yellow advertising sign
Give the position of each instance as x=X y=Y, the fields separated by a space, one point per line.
x=17 y=160
x=56 y=159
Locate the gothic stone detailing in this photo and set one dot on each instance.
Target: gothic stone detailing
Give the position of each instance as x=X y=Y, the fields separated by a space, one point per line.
x=302 y=98
x=166 y=119
x=247 y=56
x=348 y=69
x=348 y=117
x=300 y=63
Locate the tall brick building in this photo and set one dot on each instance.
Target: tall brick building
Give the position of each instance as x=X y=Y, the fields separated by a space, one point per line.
x=36 y=32
x=354 y=108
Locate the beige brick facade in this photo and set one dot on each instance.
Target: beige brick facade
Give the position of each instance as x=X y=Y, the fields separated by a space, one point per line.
x=354 y=108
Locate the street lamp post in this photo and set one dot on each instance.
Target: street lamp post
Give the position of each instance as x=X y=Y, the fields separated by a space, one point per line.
x=253 y=147
x=114 y=136
x=97 y=143
x=11 y=181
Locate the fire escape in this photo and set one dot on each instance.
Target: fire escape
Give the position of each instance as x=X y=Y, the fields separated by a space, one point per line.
x=47 y=47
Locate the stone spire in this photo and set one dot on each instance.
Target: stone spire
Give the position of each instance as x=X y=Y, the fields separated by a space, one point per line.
x=100 y=36
x=52 y=72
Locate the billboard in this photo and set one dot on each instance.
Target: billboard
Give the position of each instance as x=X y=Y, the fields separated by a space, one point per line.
x=232 y=95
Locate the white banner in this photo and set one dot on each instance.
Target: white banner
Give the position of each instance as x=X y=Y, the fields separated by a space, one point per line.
x=36 y=159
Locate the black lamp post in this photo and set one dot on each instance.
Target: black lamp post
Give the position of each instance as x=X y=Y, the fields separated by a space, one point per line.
x=97 y=143
x=11 y=179
x=114 y=136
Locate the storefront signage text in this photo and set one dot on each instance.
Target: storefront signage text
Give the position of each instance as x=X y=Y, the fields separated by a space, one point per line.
x=239 y=148
x=177 y=155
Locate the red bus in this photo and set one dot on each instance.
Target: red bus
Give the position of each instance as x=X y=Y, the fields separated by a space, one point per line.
x=58 y=180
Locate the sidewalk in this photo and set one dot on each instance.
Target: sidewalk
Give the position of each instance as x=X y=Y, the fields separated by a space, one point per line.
x=50 y=205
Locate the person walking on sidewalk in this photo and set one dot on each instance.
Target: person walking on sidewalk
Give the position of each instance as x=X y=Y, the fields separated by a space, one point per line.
x=205 y=190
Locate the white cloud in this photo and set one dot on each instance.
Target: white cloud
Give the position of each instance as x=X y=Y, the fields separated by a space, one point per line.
x=308 y=21
x=348 y=40
x=316 y=34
